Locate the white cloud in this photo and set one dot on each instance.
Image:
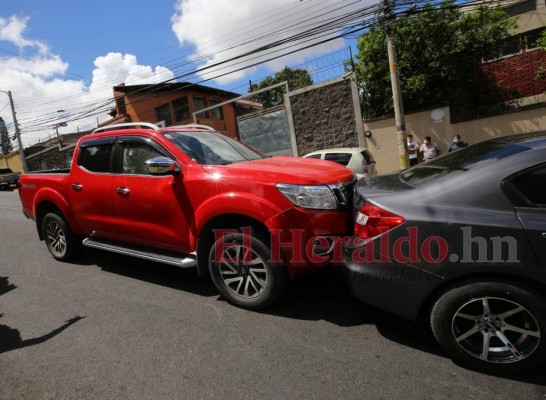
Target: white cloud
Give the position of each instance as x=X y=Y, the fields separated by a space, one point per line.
x=217 y=28
x=40 y=87
x=11 y=30
x=115 y=68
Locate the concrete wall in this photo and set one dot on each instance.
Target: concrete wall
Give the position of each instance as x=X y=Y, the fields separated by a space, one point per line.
x=51 y=157
x=12 y=161
x=325 y=116
x=383 y=144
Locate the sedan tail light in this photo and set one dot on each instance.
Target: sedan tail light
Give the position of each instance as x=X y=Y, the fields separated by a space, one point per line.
x=372 y=221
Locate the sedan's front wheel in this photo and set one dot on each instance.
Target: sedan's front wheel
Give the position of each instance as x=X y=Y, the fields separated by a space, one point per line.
x=493 y=326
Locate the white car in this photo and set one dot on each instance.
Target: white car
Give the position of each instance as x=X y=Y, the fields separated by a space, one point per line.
x=357 y=159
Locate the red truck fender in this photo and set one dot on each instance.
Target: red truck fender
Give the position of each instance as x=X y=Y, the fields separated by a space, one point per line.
x=54 y=197
x=245 y=204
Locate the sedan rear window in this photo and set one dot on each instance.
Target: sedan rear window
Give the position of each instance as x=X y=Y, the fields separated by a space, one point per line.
x=459 y=161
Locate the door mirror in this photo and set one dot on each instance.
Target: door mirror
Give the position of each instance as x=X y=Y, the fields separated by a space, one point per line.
x=162 y=166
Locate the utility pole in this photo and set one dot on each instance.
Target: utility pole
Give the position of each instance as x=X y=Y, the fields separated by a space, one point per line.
x=395 y=83
x=17 y=134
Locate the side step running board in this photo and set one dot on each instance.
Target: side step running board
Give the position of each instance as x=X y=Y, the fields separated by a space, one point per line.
x=157 y=255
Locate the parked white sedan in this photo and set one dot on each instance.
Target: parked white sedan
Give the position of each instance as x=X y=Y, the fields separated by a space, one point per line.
x=357 y=159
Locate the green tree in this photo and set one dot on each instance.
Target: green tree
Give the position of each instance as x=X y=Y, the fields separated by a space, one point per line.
x=297 y=78
x=5 y=141
x=542 y=40
x=541 y=70
x=440 y=52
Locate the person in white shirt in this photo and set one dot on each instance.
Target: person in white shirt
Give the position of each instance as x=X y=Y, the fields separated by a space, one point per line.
x=413 y=150
x=428 y=149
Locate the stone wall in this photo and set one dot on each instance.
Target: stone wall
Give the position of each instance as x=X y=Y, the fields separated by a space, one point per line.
x=51 y=157
x=325 y=116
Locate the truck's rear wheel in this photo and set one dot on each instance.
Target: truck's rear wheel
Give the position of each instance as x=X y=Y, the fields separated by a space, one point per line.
x=60 y=240
x=241 y=268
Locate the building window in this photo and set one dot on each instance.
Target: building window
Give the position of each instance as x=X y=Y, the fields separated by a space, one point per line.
x=521 y=8
x=511 y=46
x=163 y=113
x=120 y=104
x=181 y=109
x=198 y=104
x=531 y=39
x=218 y=112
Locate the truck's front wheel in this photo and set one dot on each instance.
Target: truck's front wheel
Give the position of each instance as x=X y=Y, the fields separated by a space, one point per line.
x=60 y=240
x=242 y=270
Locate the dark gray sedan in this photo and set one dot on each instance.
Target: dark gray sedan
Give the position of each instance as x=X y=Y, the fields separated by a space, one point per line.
x=461 y=240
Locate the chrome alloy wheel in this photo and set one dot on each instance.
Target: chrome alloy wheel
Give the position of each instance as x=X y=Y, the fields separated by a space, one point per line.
x=243 y=271
x=496 y=330
x=55 y=237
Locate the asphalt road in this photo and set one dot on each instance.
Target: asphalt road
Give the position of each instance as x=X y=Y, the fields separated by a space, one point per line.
x=110 y=327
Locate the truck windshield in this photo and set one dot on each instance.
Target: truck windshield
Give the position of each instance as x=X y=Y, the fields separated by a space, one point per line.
x=210 y=148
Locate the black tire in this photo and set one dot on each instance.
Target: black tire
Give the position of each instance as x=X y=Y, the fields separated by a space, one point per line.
x=243 y=273
x=60 y=240
x=498 y=327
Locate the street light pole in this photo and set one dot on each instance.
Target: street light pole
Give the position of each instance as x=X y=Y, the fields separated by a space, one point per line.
x=17 y=133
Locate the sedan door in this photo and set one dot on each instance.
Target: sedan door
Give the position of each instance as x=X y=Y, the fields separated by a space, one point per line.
x=532 y=209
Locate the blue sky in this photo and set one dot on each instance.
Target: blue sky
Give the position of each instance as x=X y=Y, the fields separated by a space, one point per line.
x=66 y=55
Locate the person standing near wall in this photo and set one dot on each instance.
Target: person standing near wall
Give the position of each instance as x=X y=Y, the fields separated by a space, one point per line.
x=456 y=144
x=428 y=149
x=413 y=150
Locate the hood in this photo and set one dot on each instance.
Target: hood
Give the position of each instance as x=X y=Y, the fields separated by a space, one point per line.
x=290 y=170
x=381 y=185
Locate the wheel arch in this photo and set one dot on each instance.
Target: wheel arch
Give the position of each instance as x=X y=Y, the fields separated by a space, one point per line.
x=44 y=208
x=224 y=221
x=525 y=283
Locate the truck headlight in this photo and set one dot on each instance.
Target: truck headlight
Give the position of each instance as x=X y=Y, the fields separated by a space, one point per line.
x=317 y=197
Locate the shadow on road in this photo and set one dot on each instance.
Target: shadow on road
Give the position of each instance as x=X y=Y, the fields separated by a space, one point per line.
x=10 y=339
x=322 y=295
x=185 y=279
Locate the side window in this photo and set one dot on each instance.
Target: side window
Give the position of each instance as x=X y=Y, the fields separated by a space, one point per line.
x=368 y=157
x=533 y=186
x=340 y=158
x=134 y=157
x=314 y=156
x=96 y=158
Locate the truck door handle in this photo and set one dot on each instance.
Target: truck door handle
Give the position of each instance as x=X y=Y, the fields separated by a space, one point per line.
x=77 y=186
x=543 y=235
x=122 y=190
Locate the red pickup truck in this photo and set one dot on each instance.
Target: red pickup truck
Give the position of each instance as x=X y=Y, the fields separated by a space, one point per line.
x=190 y=196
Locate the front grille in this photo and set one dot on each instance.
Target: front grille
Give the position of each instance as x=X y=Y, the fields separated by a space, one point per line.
x=345 y=193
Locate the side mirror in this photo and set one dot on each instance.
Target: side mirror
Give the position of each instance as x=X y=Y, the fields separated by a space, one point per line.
x=162 y=166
